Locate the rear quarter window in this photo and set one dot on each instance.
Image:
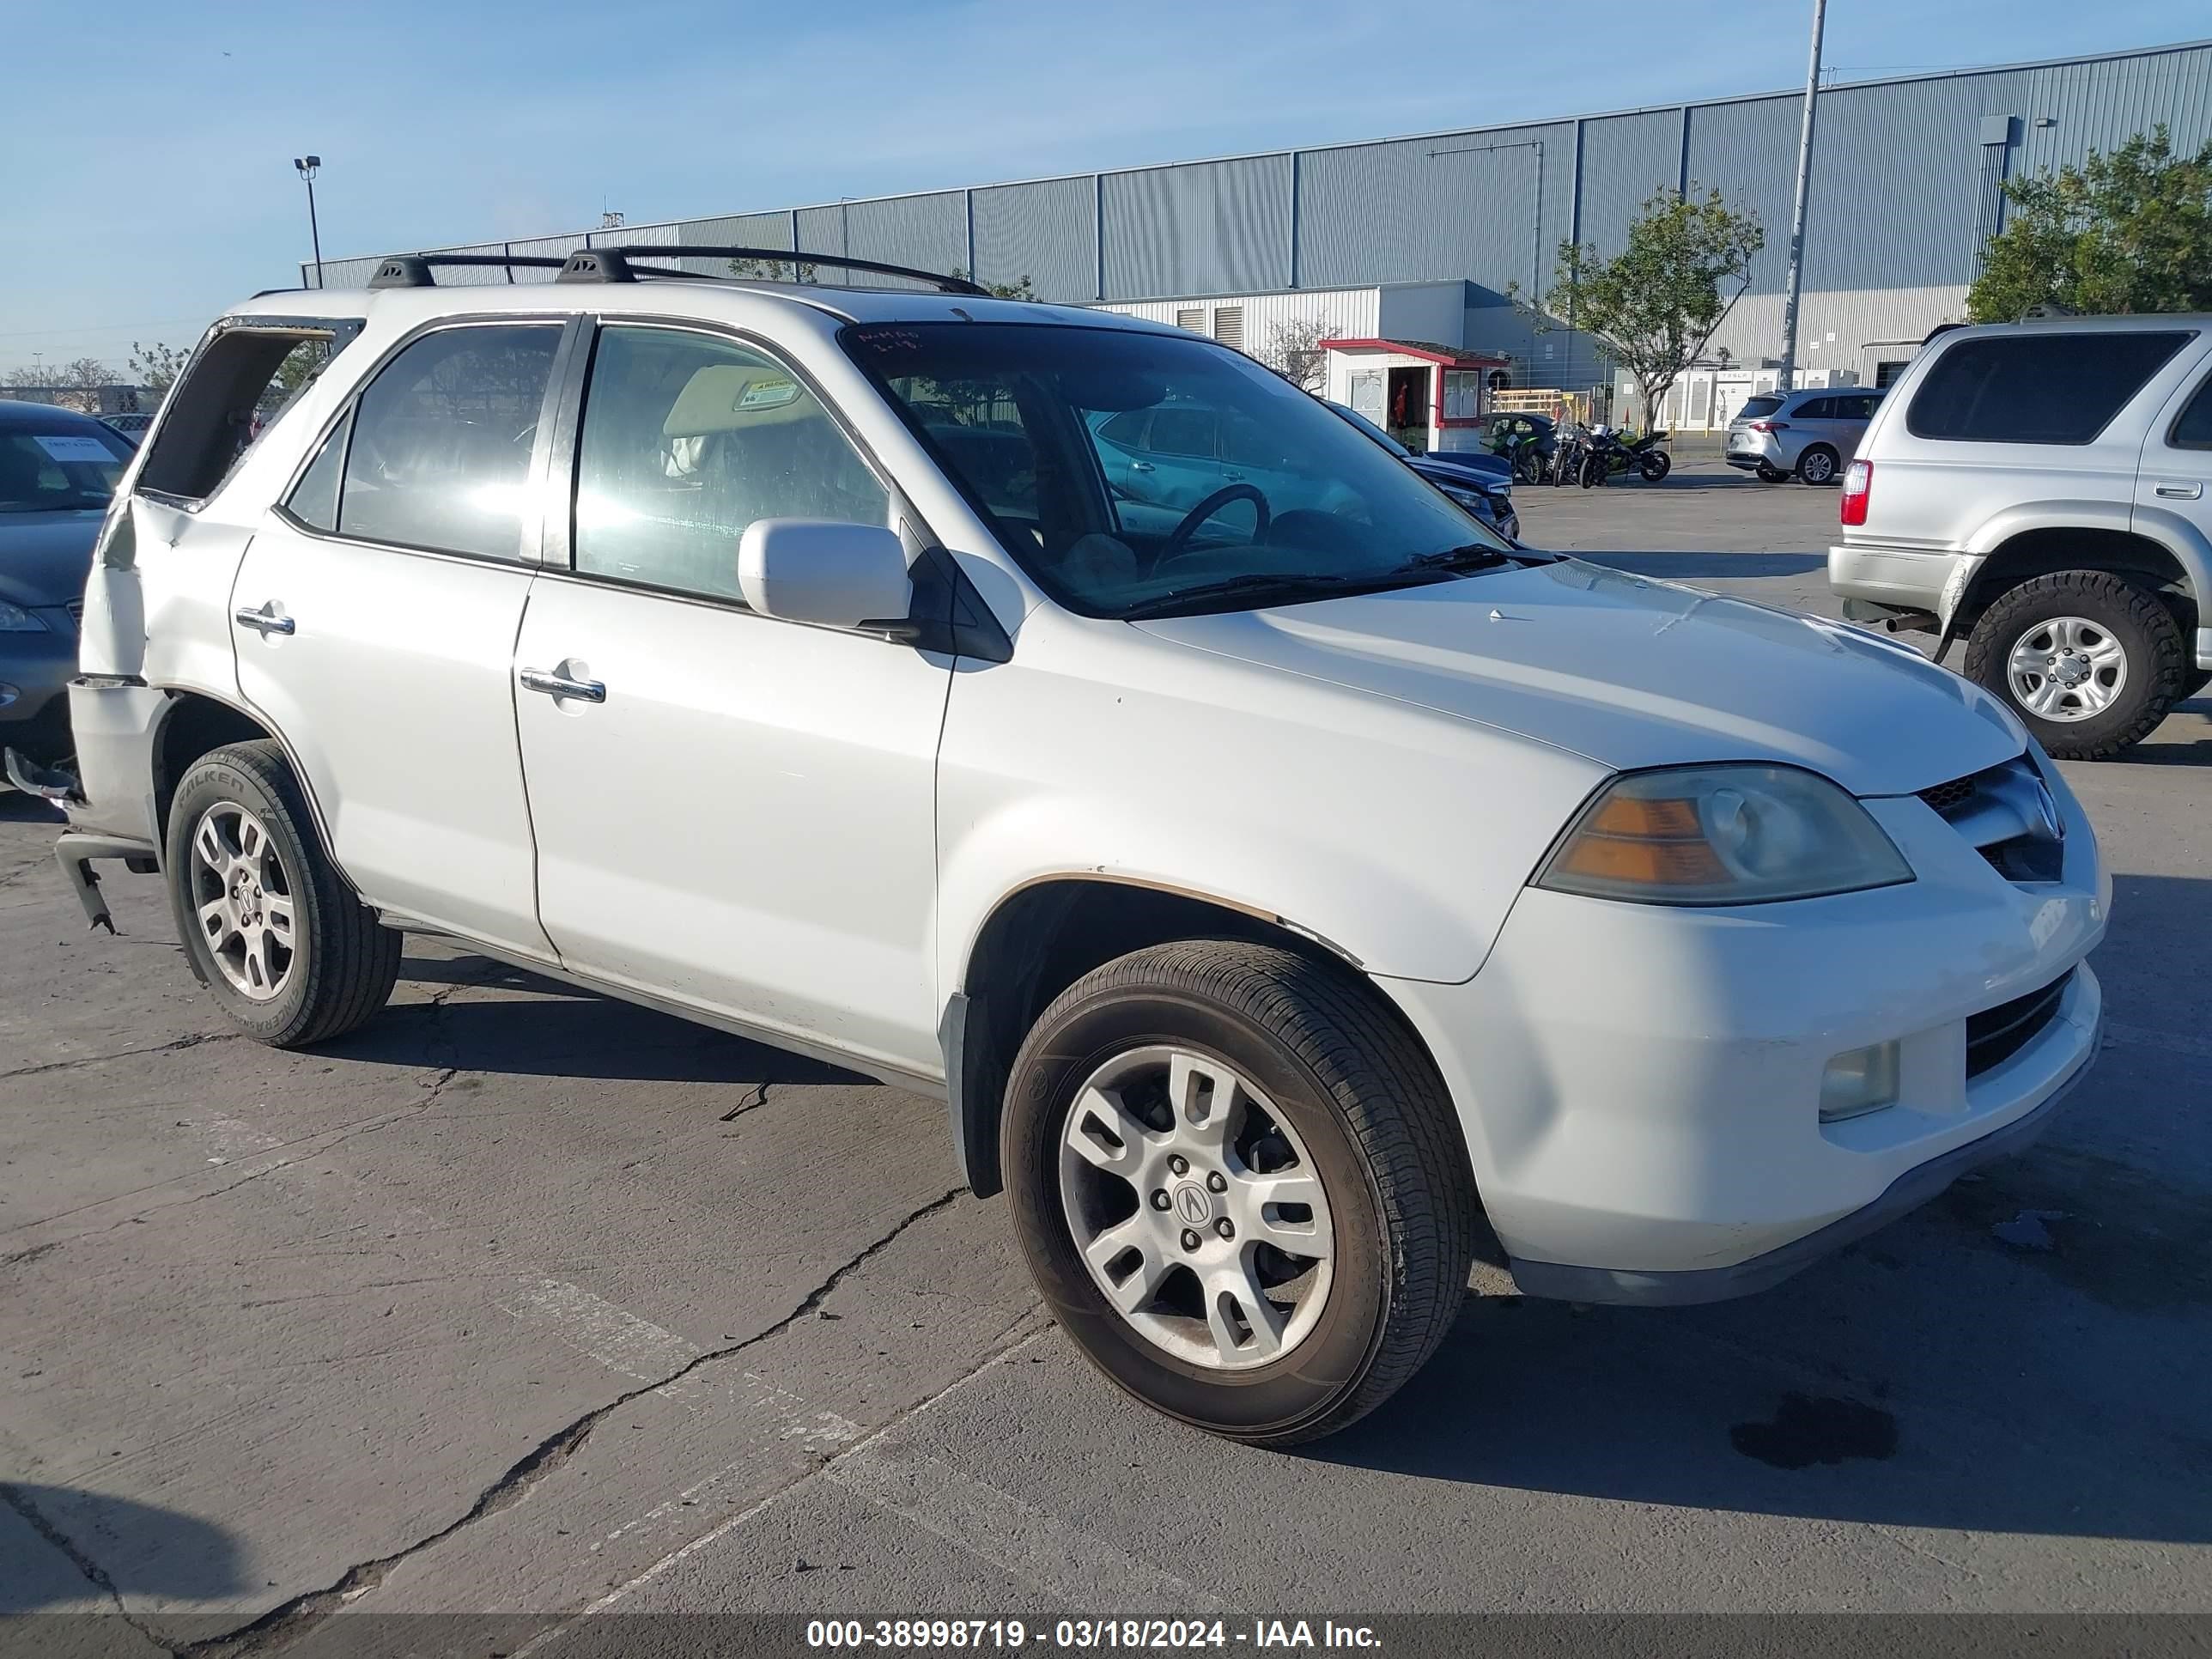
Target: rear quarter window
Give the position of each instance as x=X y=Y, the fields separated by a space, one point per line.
x=2036 y=388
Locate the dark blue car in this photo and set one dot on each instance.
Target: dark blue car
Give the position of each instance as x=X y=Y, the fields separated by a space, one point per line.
x=58 y=469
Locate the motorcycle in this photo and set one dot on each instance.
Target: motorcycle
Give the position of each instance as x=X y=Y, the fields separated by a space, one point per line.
x=1610 y=455
x=1530 y=454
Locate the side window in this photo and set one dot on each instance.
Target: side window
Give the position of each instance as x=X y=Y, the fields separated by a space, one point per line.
x=1182 y=431
x=2194 y=429
x=687 y=440
x=2035 y=387
x=235 y=386
x=1817 y=409
x=1126 y=428
x=442 y=440
x=314 y=500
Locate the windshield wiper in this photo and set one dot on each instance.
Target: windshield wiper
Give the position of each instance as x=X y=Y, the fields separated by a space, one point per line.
x=1472 y=555
x=1286 y=588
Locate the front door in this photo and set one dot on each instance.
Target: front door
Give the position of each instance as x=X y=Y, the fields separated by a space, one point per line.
x=732 y=812
x=373 y=620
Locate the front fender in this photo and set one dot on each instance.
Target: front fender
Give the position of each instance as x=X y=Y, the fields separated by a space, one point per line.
x=1396 y=835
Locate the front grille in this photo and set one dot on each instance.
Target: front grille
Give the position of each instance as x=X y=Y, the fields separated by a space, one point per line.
x=1948 y=797
x=1996 y=1034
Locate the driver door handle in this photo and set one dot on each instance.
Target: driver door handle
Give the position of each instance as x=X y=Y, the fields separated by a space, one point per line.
x=559 y=685
x=1140 y=467
x=2174 y=490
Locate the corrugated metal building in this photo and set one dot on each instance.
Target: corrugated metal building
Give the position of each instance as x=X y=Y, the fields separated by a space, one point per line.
x=1905 y=189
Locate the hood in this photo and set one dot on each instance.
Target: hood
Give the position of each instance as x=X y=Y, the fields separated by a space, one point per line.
x=44 y=557
x=1631 y=673
x=1492 y=470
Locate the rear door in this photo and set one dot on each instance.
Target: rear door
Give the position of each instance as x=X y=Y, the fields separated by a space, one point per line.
x=739 y=813
x=2175 y=482
x=375 y=617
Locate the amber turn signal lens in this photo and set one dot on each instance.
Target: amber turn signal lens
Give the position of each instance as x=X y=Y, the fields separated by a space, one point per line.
x=1646 y=861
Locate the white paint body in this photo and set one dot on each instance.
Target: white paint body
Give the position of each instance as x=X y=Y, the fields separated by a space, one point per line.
x=801 y=830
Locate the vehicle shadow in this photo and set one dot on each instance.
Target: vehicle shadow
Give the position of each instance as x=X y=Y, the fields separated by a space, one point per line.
x=1674 y=567
x=142 y=1550
x=557 y=1030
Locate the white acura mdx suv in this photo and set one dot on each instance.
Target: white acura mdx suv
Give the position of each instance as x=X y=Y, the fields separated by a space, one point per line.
x=1279 y=895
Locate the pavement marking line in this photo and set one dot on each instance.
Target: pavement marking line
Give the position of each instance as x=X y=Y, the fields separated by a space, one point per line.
x=618 y=1338
x=2174 y=1042
x=729 y=1524
x=1082 y=1571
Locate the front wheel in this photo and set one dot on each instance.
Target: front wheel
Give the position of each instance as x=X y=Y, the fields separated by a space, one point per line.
x=268 y=924
x=1528 y=465
x=1240 y=1187
x=2090 y=662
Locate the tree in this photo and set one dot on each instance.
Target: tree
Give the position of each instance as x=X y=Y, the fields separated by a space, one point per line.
x=1654 y=305
x=2127 y=232
x=1019 y=289
x=1293 y=350
x=157 y=365
x=772 y=271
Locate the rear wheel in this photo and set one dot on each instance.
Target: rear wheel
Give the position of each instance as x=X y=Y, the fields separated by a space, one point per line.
x=1657 y=465
x=268 y=924
x=2088 y=660
x=1817 y=465
x=1240 y=1186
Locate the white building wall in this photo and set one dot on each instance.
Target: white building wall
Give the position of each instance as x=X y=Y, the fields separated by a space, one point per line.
x=1351 y=312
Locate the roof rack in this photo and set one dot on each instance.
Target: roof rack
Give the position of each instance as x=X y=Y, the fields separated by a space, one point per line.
x=614 y=264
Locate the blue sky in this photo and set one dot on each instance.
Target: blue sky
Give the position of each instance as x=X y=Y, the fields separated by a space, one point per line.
x=146 y=177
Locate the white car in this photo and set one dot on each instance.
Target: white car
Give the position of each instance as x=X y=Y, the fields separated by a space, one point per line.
x=1275 y=897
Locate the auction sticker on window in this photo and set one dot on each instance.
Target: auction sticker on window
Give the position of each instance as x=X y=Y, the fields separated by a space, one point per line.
x=74 y=448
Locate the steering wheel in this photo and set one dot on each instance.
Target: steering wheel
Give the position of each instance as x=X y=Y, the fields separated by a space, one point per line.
x=1179 y=537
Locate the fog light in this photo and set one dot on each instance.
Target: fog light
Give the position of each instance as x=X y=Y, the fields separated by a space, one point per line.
x=8 y=694
x=1861 y=1081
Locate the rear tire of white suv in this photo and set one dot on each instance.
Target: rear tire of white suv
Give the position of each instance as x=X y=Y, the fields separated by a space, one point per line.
x=268 y=926
x=2090 y=662
x=1240 y=1186
x=1818 y=465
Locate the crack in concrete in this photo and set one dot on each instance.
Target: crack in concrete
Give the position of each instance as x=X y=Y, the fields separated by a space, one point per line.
x=191 y=1040
x=751 y=1102
x=288 y=1620
x=93 y=1572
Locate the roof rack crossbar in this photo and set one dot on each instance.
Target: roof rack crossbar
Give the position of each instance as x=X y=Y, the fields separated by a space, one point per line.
x=415 y=269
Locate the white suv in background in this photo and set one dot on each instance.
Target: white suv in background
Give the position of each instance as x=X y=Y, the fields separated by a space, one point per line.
x=2044 y=490
x=1274 y=891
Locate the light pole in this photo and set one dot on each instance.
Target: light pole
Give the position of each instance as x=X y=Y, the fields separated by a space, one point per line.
x=307 y=166
x=1787 y=380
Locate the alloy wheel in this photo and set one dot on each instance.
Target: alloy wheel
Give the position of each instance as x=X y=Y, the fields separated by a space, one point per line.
x=1196 y=1207
x=2066 y=669
x=242 y=897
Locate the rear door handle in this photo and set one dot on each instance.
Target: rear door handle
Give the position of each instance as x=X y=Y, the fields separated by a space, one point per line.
x=559 y=685
x=265 y=620
x=2174 y=490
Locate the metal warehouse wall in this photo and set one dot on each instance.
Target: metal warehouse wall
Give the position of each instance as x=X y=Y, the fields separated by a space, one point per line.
x=1904 y=190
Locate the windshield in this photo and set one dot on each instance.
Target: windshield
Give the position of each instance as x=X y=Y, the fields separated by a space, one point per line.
x=1135 y=474
x=45 y=470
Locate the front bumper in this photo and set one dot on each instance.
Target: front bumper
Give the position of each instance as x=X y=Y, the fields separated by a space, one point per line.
x=1639 y=1085
x=35 y=670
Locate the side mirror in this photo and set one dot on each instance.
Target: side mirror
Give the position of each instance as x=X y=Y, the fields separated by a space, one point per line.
x=818 y=570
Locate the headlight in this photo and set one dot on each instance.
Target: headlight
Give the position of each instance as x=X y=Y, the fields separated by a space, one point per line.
x=14 y=619
x=1472 y=500
x=1722 y=835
